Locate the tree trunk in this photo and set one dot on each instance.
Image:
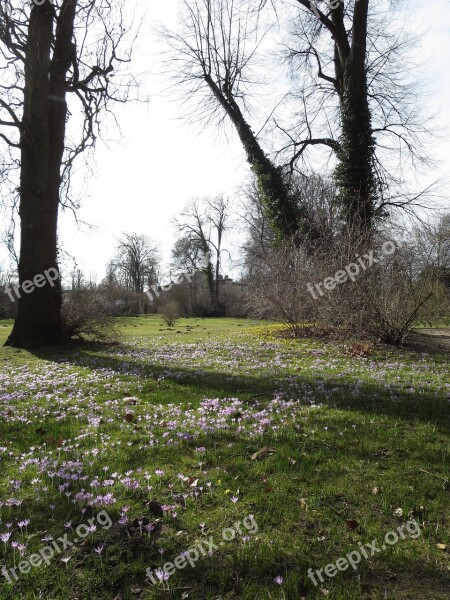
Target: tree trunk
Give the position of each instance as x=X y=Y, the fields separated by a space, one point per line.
x=210 y=281
x=355 y=173
x=39 y=320
x=283 y=211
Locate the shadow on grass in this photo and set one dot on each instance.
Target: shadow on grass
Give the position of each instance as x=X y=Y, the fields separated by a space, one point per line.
x=371 y=398
x=331 y=485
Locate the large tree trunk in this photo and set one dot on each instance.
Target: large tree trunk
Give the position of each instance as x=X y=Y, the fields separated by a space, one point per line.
x=355 y=173
x=39 y=319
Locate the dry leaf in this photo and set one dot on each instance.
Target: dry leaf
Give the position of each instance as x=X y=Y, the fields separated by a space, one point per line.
x=441 y=546
x=375 y=491
x=351 y=524
x=263 y=453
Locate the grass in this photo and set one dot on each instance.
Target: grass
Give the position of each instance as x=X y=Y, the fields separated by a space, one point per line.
x=359 y=446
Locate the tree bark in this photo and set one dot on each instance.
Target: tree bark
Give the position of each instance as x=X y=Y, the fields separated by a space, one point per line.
x=43 y=126
x=355 y=173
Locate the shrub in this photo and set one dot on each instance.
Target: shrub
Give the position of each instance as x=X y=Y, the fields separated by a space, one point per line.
x=168 y=310
x=385 y=301
x=88 y=313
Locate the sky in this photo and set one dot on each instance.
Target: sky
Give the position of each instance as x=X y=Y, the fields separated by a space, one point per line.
x=149 y=170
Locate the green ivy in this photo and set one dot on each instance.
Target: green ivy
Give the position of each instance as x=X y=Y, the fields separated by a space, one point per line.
x=355 y=174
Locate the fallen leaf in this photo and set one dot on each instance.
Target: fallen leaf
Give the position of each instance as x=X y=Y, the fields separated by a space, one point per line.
x=441 y=546
x=351 y=524
x=129 y=417
x=375 y=491
x=263 y=453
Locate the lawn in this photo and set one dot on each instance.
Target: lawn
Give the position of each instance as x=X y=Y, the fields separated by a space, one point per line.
x=242 y=458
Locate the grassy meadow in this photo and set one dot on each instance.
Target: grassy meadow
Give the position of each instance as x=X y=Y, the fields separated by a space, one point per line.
x=306 y=449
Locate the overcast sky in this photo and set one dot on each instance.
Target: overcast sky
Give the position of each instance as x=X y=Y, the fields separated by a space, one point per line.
x=161 y=162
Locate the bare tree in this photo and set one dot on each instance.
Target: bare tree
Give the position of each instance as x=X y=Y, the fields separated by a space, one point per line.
x=136 y=263
x=260 y=238
x=187 y=255
x=318 y=197
x=353 y=73
x=203 y=224
x=213 y=56
x=353 y=92
x=52 y=54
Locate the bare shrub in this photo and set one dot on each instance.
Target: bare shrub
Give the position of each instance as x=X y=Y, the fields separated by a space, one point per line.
x=277 y=288
x=88 y=313
x=168 y=309
x=391 y=293
x=385 y=301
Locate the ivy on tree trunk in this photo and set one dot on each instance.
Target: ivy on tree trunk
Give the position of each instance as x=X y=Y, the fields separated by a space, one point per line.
x=354 y=174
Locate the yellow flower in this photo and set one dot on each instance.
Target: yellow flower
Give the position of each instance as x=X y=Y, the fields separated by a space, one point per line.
x=227 y=491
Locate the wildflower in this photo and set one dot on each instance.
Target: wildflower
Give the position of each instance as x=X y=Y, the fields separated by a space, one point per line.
x=162 y=575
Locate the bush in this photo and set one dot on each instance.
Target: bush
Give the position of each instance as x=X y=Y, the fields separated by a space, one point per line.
x=88 y=313
x=385 y=301
x=168 y=310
